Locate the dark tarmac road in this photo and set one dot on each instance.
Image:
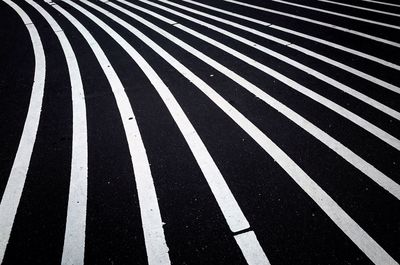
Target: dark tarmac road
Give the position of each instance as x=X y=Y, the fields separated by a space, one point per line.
x=200 y=132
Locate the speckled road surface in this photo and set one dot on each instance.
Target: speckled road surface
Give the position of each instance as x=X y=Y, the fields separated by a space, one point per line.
x=200 y=132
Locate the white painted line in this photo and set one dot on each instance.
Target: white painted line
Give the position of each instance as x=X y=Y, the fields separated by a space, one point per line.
x=366 y=168
x=223 y=195
x=251 y=249
x=156 y=247
x=280 y=41
x=74 y=238
x=339 y=14
x=325 y=42
x=328 y=25
x=360 y=8
x=366 y=125
x=381 y=3
x=16 y=181
x=374 y=251
x=225 y=199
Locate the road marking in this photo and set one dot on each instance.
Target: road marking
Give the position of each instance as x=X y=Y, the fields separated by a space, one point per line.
x=366 y=125
x=374 y=251
x=248 y=244
x=302 y=35
x=156 y=247
x=226 y=201
x=361 y=8
x=16 y=181
x=382 y=3
x=317 y=22
x=362 y=165
x=373 y=103
x=275 y=39
x=339 y=14
x=74 y=238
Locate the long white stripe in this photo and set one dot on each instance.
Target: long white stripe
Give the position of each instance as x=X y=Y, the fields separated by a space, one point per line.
x=74 y=239
x=260 y=22
x=384 y=136
x=333 y=144
x=361 y=8
x=375 y=104
x=328 y=25
x=349 y=50
x=16 y=181
x=226 y=201
x=156 y=247
x=338 y=14
x=381 y=3
x=375 y=252
x=274 y=39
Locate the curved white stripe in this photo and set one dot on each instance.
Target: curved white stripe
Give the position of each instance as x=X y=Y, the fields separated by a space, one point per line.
x=373 y=103
x=225 y=199
x=366 y=125
x=361 y=8
x=16 y=181
x=326 y=139
x=274 y=39
x=374 y=251
x=339 y=14
x=156 y=247
x=354 y=32
x=381 y=3
x=74 y=238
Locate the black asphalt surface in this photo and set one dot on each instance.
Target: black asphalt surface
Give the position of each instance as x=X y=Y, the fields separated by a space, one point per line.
x=290 y=227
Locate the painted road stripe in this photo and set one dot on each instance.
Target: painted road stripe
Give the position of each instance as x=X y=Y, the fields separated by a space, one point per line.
x=302 y=35
x=317 y=22
x=339 y=14
x=366 y=168
x=373 y=103
x=271 y=38
x=16 y=181
x=226 y=201
x=361 y=8
x=366 y=125
x=156 y=247
x=381 y=3
x=74 y=239
x=374 y=251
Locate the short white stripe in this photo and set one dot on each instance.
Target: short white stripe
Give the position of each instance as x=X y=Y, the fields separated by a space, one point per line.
x=156 y=247
x=74 y=239
x=16 y=181
x=361 y=8
x=358 y=33
x=333 y=144
x=251 y=251
x=344 y=222
x=339 y=14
